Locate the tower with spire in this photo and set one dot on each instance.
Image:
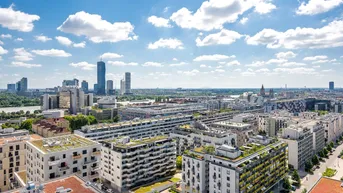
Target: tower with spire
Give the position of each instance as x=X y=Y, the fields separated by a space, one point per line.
x=262 y=91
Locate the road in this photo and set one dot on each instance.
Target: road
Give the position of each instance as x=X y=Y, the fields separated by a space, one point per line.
x=308 y=181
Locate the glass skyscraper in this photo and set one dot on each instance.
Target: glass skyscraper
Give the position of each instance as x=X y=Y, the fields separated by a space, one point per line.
x=101 y=78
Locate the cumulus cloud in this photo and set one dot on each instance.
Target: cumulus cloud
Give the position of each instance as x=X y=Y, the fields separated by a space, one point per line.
x=3 y=51
x=175 y=59
x=17 y=20
x=80 y=45
x=83 y=65
x=189 y=73
x=285 y=55
x=328 y=36
x=42 y=38
x=159 y=21
x=276 y=61
x=152 y=64
x=248 y=72
x=96 y=29
x=6 y=36
x=20 y=54
x=171 y=43
x=203 y=66
x=233 y=63
x=244 y=20
x=290 y=64
x=224 y=37
x=263 y=70
x=213 y=14
x=313 y=7
x=19 y=39
x=25 y=65
x=52 y=53
x=109 y=55
x=215 y=57
x=64 y=40
x=256 y=64
x=178 y=64
x=120 y=63
x=299 y=70
x=1 y=43
x=313 y=58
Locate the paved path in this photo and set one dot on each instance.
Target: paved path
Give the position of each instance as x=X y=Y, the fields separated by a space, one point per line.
x=308 y=181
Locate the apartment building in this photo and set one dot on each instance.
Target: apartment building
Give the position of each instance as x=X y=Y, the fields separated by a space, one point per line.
x=51 y=127
x=12 y=159
x=252 y=168
x=55 y=157
x=127 y=164
x=271 y=124
x=243 y=130
x=333 y=125
x=137 y=128
x=190 y=136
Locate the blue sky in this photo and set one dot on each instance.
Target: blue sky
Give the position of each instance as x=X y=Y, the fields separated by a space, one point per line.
x=173 y=43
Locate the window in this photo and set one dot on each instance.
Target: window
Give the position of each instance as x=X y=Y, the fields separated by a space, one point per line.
x=84 y=174
x=75 y=162
x=17 y=147
x=84 y=167
x=84 y=152
x=0 y=149
x=50 y=167
x=64 y=156
x=4 y=171
x=228 y=178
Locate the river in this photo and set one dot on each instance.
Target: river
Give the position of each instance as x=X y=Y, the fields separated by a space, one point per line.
x=16 y=109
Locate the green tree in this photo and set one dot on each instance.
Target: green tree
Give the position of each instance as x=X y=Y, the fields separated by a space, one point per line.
x=76 y=122
x=179 y=162
x=308 y=166
x=286 y=184
x=326 y=152
x=92 y=120
x=26 y=125
x=304 y=190
x=116 y=119
x=321 y=154
x=296 y=177
x=315 y=160
x=331 y=144
x=328 y=147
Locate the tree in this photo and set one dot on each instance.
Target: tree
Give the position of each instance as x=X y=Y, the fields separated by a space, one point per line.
x=321 y=154
x=308 y=166
x=26 y=125
x=116 y=119
x=92 y=120
x=315 y=160
x=286 y=184
x=304 y=190
x=331 y=144
x=325 y=151
x=328 y=147
x=296 y=177
x=179 y=162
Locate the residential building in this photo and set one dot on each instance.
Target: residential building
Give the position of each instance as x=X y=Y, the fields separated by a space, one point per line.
x=127 y=163
x=271 y=124
x=54 y=113
x=333 y=125
x=109 y=88
x=22 y=85
x=11 y=132
x=51 y=127
x=134 y=129
x=243 y=130
x=127 y=83
x=254 y=168
x=84 y=86
x=101 y=77
x=74 y=82
x=61 y=156
x=11 y=88
x=331 y=85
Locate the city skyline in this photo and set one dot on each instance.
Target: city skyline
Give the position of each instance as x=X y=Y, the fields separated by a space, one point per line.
x=258 y=43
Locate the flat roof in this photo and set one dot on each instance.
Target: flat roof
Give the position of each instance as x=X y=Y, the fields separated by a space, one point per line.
x=137 y=142
x=231 y=123
x=327 y=185
x=61 y=143
x=14 y=139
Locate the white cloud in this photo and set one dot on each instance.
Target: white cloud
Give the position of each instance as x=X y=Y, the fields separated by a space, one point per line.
x=178 y=64
x=218 y=70
x=328 y=70
x=109 y=55
x=224 y=37
x=328 y=36
x=244 y=20
x=313 y=7
x=20 y=54
x=189 y=73
x=120 y=63
x=165 y=9
x=1 y=43
x=25 y=65
x=299 y=70
x=6 y=36
x=237 y=70
x=42 y=38
x=17 y=20
x=313 y=58
x=256 y=64
x=96 y=29
x=19 y=39
x=3 y=51
x=233 y=63
x=263 y=70
x=159 y=74
x=175 y=59
x=324 y=21
x=215 y=57
x=248 y=73
x=320 y=61
x=285 y=55
x=318 y=66
x=203 y=66
x=213 y=14
x=341 y=57
x=83 y=65
x=80 y=45
x=152 y=64
x=276 y=61
x=290 y=64
x=64 y=40
x=159 y=21
x=52 y=53
x=171 y=43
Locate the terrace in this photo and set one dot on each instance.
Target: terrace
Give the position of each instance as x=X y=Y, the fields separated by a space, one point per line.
x=132 y=143
x=61 y=143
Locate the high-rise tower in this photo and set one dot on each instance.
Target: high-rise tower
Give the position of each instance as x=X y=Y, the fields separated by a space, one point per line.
x=101 y=78
x=127 y=83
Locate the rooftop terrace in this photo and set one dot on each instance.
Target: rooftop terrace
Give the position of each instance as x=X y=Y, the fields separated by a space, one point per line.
x=232 y=124
x=118 y=142
x=61 y=143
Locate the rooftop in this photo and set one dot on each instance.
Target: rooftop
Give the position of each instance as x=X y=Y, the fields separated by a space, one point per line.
x=61 y=143
x=232 y=124
x=118 y=142
x=326 y=185
x=14 y=139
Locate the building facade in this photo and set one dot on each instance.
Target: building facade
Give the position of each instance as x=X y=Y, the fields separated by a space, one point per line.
x=84 y=86
x=101 y=77
x=11 y=88
x=128 y=83
x=109 y=88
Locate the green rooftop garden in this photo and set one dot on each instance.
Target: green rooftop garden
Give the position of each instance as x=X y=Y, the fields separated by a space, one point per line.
x=138 y=142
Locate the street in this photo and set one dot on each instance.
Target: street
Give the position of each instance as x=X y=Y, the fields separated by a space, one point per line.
x=308 y=181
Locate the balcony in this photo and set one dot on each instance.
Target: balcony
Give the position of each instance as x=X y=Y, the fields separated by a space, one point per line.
x=96 y=168
x=53 y=163
x=96 y=152
x=79 y=156
x=91 y=161
x=63 y=168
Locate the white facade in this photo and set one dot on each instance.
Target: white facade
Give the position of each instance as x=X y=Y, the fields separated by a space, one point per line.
x=53 y=114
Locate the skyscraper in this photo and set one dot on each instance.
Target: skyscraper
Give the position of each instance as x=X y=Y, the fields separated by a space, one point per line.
x=122 y=86
x=127 y=83
x=101 y=78
x=74 y=82
x=11 y=88
x=84 y=86
x=331 y=85
x=23 y=84
x=96 y=88
x=109 y=87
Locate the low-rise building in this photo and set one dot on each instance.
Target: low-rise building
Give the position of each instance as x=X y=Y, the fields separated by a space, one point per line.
x=252 y=168
x=51 y=127
x=55 y=157
x=53 y=113
x=127 y=163
x=243 y=130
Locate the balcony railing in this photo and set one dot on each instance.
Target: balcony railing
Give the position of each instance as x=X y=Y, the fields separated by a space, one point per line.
x=96 y=152
x=79 y=156
x=63 y=168
x=52 y=163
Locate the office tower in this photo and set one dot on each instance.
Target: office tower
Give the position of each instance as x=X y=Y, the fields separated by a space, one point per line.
x=84 y=86
x=127 y=83
x=96 y=88
x=331 y=85
x=18 y=86
x=24 y=84
x=62 y=156
x=122 y=87
x=109 y=89
x=101 y=78
x=262 y=91
x=11 y=88
x=74 y=82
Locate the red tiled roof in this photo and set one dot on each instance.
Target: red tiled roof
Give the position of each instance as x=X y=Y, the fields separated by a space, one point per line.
x=71 y=182
x=326 y=185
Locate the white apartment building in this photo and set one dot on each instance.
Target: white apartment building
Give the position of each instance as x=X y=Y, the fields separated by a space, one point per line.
x=127 y=164
x=227 y=169
x=137 y=128
x=271 y=125
x=55 y=157
x=243 y=130
x=333 y=125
